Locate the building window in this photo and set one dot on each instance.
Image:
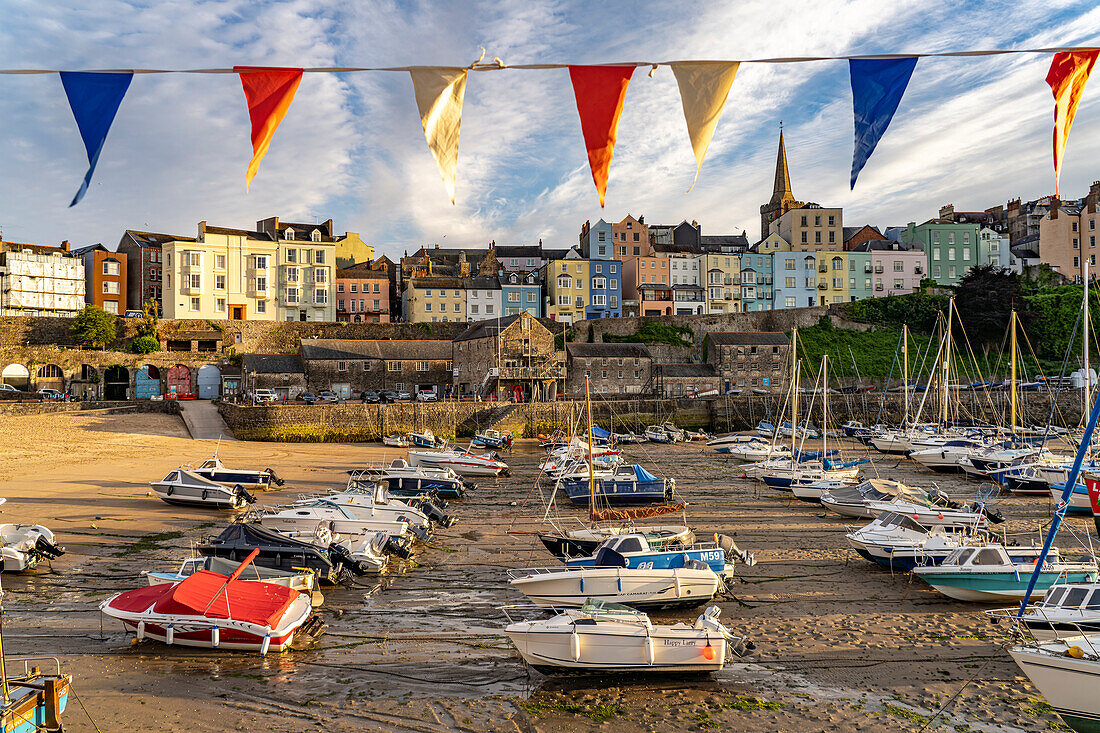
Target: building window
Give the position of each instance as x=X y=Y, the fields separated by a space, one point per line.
x=320 y=296
x=261 y=285
x=196 y=304
x=194 y=259
x=219 y=282
x=292 y=274
x=394 y=366
x=110 y=287
x=219 y=305
x=513 y=297
x=291 y=254
x=936 y=272
x=219 y=262
x=320 y=275
x=341 y=366
x=292 y=295
x=789 y=301
x=427 y=307
x=899 y=266
x=421 y=366
x=289 y=234
x=340 y=287
x=261 y=306
x=366 y=366
x=259 y=262
x=473 y=309
x=194 y=281
x=315 y=235
x=531 y=297
x=599 y=283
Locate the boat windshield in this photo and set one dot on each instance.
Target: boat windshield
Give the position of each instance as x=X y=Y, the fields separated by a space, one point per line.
x=904 y=521
x=596 y=607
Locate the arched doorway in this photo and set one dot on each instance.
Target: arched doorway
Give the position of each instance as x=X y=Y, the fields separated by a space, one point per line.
x=17 y=376
x=209 y=382
x=51 y=377
x=85 y=384
x=179 y=383
x=116 y=382
x=147 y=382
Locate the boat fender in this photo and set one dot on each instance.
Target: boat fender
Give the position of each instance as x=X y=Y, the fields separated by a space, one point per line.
x=266 y=644
x=1075 y=651
x=582 y=585
x=215 y=637
x=170 y=635
x=169 y=490
x=708 y=650
x=140 y=630
x=676 y=580
x=649 y=652
x=205 y=494
x=575 y=645
x=619 y=581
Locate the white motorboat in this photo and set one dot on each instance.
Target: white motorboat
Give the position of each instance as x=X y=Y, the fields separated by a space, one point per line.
x=946 y=457
x=757 y=450
x=214 y=470
x=937 y=511
x=461 y=461
x=609 y=637
x=658 y=434
x=22 y=546
x=727 y=441
x=990 y=574
x=374 y=502
x=1065 y=670
x=395 y=441
x=896 y=542
x=688 y=586
x=851 y=501
x=303 y=582
x=811 y=490
x=337 y=519
x=187 y=488
x=1066 y=610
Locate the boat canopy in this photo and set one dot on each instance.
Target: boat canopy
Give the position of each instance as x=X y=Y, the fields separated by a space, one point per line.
x=643 y=475
x=599 y=433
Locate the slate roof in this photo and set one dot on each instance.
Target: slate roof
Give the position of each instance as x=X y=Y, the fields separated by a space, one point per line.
x=490 y=327
x=519 y=252
x=155 y=239
x=395 y=350
x=482 y=283
x=272 y=364
x=230 y=232
x=687 y=370
x=749 y=338
x=609 y=350
x=883 y=245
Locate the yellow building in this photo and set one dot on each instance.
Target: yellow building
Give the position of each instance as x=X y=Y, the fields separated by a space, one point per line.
x=434 y=300
x=221 y=274
x=832 y=277
x=722 y=280
x=773 y=243
x=567 y=288
x=811 y=228
x=351 y=250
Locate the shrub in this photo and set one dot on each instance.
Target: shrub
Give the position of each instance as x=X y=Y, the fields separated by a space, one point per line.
x=94 y=327
x=144 y=345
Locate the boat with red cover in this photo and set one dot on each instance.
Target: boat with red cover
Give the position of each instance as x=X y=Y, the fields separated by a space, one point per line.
x=212 y=610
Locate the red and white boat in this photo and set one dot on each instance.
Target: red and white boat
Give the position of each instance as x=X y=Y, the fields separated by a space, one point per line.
x=460 y=460
x=212 y=610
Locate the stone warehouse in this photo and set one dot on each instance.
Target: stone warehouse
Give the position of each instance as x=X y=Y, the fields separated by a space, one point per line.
x=351 y=367
x=749 y=360
x=507 y=358
x=282 y=373
x=612 y=369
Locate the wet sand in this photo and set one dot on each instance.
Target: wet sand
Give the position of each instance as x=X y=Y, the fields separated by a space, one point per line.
x=841 y=643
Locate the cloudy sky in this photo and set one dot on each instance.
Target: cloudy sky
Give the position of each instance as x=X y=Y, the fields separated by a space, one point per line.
x=973 y=132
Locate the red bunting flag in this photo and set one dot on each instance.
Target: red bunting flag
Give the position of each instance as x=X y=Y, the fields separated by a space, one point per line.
x=269 y=92
x=1069 y=72
x=600 y=91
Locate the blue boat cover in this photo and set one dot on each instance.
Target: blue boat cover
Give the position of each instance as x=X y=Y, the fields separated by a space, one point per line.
x=829 y=465
x=599 y=433
x=644 y=475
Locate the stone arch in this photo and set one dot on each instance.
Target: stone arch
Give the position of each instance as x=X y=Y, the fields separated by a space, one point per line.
x=147 y=383
x=116 y=382
x=17 y=376
x=50 y=376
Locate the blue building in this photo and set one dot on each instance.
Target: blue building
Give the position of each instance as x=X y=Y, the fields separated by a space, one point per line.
x=756 y=282
x=521 y=291
x=596 y=240
x=795 y=279
x=605 y=289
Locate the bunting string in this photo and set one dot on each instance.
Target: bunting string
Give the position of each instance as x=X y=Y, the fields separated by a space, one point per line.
x=878 y=83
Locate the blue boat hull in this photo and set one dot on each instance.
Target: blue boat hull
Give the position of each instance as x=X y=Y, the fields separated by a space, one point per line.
x=996 y=587
x=616 y=492
x=713 y=557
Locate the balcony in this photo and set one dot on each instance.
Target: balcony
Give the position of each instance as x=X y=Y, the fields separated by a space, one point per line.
x=867 y=269
x=878 y=287
x=822 y=286
x=547 y=371
x=878 y=269
x=822 y=268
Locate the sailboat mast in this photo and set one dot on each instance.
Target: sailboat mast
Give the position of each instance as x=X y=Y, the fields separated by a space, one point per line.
x=905 y=371
x=947 y=359
x=794 y=387
x=591 y=471
x=1085 y=402
x=824 y=408
x=3 y=662
x=1012 y=326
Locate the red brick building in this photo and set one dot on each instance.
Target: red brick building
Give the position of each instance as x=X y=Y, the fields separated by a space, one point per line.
x=104 y=278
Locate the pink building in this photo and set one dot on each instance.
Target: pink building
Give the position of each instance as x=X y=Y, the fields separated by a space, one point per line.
x=896 y=268
x=363 y=295
x=646 y=290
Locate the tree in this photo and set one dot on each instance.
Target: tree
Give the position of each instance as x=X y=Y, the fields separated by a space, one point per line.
x=144 y=345
x=94 y=327
x=149 y=319
x=985 y=298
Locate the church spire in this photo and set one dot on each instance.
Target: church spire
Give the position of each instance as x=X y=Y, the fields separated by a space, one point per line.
x=781 y=191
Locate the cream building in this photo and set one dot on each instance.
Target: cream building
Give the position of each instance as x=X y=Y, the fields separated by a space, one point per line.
x=721 y=275
x=307 y=269
x=434 y=300
x=811 y=227
x=39 y=280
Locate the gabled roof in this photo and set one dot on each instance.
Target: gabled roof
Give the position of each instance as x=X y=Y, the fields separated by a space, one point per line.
x=532 y=251
x=390 y=350
x=609 y=350
x=482 y=283
x=81 y=251
x=491 y=327
x=687 y=370
x=435 y=281
x=749 y=338
x=272 y=364
x=883 y=245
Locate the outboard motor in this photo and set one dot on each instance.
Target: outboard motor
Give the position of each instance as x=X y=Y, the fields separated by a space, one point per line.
x=991 y=514
x=436 y=515
x=608 y=558
x=732 y=551
x=47 y=549
x=670 y=489
x=938 y=498
x=394 y=547
x=342 y=556
x=274 y=477
x=243 y=493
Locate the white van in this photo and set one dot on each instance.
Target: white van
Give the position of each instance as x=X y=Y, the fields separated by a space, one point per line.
x=265 y=395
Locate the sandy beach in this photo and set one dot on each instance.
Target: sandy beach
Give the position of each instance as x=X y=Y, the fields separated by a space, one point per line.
x=841 y=643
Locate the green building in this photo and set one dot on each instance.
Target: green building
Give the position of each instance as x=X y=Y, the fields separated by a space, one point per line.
x=950 y=248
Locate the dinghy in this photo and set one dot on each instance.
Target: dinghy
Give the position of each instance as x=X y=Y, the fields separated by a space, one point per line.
x=211 y=610
x=611 y=580
x=492 y=439
x=187 y=488
x=609 y=637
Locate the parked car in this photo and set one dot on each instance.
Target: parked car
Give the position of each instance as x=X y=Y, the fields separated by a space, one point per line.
x=133 y=314
x=329 y=396
x=265 y=395
x=371 y=397
x=427 y=396
x=308 y=397
x=389 y=396
x=403 y=396
x=7 y=388
x=49 y=394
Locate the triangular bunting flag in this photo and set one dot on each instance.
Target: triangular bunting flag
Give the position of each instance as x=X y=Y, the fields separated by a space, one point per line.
x=94 y=99
x=1069 y=72
x=877 y=88
x=439 y=93
x=600 y=91
x=704 y=86
x=268 y=92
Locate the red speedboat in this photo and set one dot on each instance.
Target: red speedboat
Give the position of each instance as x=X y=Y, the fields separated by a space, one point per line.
x=212 y=610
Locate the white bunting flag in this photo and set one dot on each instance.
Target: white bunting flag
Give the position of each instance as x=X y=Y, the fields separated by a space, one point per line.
x=439 y=92
x=704 y=86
